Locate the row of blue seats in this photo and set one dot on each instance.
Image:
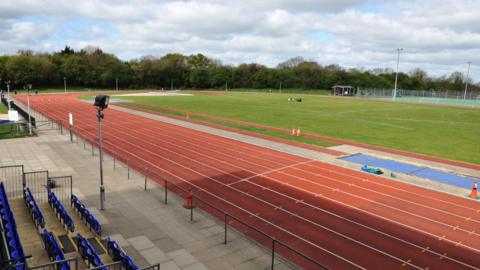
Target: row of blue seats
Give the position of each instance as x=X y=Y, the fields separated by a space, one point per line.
x=9 y=226
x=54 y=251
x=33 y=207
x=85 y=215
x=117 y=254
x=60 y=210
x=87 y=252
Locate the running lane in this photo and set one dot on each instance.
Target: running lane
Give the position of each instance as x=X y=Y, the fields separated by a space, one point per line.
x=342 y=218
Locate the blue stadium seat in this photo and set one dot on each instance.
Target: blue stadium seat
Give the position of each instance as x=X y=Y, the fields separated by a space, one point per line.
x=86 y=216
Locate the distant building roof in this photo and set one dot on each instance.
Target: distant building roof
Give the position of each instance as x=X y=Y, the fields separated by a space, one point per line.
x=342 y=86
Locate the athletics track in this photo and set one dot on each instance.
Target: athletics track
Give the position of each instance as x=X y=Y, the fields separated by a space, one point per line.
x=342 y=218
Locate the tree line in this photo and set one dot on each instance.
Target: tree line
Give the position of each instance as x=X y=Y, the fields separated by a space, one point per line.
x=91 y=67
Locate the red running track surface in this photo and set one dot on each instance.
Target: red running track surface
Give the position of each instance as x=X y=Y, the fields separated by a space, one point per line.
x=342 y=218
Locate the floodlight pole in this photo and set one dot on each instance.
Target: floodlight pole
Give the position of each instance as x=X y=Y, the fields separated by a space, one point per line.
x=466 y=81
x=28 y=112
x=65 y=84
x=8 y=95
x=100 y=148
x=396 y=74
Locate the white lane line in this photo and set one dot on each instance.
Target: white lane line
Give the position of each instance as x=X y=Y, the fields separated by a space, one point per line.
x=306 y=171
x=264 y=173
x=273 y=154
x=268 y=203
x=236 y=206
x=310 y=161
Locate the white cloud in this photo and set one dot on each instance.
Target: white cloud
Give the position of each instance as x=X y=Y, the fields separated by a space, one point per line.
x=439 y=36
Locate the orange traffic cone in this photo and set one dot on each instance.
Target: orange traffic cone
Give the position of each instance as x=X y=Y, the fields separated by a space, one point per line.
x=298 y=131
x=474 y=193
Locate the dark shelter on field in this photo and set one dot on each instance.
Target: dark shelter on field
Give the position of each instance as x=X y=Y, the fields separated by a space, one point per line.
x=343 y=90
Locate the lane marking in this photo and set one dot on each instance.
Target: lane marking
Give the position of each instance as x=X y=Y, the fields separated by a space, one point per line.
x=267 y=172
x=187 y=181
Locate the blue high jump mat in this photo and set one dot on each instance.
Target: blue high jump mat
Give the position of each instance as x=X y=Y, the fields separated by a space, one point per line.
x=405 y=168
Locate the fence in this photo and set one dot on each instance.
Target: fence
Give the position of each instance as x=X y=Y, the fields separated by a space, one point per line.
x=276 y=246
x=12 y=176
x=15 y=178
x=230 y=221
x=444 y=97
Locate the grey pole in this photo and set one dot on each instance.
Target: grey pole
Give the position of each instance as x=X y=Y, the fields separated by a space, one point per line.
x=65 y=84
x=116 y=83
x=171 y=84
x=100 y=150
x=466 y=81
x=280 y=87
x=8 y=95
x=396 y=74
x=29 y=118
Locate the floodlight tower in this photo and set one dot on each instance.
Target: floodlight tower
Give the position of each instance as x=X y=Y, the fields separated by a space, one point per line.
x=28 y=87
x=101 y=103
x=466 y=81
x=396 y=73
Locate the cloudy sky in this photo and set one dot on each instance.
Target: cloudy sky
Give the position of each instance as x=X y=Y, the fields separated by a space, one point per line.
x=438 y=36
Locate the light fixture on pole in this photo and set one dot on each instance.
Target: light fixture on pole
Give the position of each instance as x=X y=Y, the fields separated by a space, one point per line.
x=466 y=81
x=101 y=103
x=396 y=73
x=28 y=87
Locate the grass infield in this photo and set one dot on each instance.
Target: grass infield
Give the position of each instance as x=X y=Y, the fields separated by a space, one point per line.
x=446 y=132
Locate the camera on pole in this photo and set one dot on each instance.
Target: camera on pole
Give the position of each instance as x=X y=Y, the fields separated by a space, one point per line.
x=101 y=102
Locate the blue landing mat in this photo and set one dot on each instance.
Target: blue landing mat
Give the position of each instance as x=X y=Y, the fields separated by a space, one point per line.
x=423 y=172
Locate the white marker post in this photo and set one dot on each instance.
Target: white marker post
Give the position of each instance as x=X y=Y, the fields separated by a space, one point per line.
x=70 y=122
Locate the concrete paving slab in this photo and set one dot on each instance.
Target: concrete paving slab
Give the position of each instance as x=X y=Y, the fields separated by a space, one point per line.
x=195 y=266
x=154 y=255
x=120 y=240
x=182 y=257
x=141 y=242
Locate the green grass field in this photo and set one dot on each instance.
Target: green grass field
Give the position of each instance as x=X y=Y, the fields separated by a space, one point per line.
x=433 y=130
x=3 y=109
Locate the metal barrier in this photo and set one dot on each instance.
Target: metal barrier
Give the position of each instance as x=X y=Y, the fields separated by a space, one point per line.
x=269 y=241
x=274 y=245
x=152 y=267
x=37 y=182
x=72 y=262
x=110 y=266
x=13 y=178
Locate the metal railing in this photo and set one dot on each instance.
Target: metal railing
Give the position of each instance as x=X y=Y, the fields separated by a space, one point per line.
x=90 y=144
x=72 y=262
x=16 y=178
x=273 y=244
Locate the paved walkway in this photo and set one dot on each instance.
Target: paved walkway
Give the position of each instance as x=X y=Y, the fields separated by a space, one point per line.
x=147 y=229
